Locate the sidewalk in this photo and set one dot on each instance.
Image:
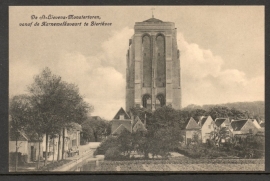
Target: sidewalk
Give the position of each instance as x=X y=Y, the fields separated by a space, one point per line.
x=83 y=151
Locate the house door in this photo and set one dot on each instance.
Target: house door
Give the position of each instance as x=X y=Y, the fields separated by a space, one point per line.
x=33 y=153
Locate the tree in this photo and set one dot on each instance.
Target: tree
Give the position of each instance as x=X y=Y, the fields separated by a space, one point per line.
x=57 y=103
x=95 y=129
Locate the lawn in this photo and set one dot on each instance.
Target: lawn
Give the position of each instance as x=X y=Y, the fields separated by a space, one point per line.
x=179 y=165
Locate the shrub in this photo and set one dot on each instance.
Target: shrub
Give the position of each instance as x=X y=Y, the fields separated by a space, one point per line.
x=113 y=153
x=106 y=145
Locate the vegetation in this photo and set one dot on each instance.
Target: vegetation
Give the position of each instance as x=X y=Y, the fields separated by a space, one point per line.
x=251 y=147
x=163 y=135
x=95 y=130
x=50 y=106
x=254 y=109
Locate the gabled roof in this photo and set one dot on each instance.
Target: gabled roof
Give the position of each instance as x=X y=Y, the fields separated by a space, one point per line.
x=219 y=121
x=153 y=20
x=203 y=120
x=22 y=137
x=136 y=120
x=121 y=112
x=237 y=125
x=120 y=129
x=191 y=124
x=137 y=123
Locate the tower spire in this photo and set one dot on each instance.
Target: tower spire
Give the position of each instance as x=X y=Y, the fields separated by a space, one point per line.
x=152 y=12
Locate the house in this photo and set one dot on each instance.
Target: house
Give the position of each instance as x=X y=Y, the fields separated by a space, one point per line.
x=122 y=121
x=243 y=127
x=255 y=122
x=71 y=141
x=222 y=122
x=207 y=126
x=223 y=125
x=27 y=145
x=191 y=130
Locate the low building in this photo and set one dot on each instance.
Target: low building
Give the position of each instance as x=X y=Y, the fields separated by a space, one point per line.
x=207 y=126
x=191 y=132
x=243 y=127
x=122 y=121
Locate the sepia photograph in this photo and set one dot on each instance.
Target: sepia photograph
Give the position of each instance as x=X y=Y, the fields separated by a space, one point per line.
x=136 y=89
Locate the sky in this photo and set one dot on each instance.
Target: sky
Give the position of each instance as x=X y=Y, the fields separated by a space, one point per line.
x=222 y=51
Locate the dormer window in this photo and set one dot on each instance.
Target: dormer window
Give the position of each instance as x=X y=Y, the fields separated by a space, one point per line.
x=121 y=117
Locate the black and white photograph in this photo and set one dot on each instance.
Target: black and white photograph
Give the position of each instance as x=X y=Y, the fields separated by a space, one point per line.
x=136 y=89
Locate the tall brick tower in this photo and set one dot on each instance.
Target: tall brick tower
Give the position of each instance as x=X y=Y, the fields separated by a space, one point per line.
x=153 y=66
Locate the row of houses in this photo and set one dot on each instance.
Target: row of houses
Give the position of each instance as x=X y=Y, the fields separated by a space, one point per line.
x=203 y=126
x=28 y=146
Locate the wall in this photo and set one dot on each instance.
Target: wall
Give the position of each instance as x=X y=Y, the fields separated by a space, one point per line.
x=206 y=130
x=22 y=146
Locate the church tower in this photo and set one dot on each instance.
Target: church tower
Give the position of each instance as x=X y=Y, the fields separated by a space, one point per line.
x=153 y=66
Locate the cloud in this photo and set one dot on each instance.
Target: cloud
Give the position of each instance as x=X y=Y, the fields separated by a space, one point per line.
x=205 y=82
x=101 y=76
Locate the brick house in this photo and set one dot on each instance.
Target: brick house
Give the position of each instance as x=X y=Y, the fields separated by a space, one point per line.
x=191 y=130
x=122 y=121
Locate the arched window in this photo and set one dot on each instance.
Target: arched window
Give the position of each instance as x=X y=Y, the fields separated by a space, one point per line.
x=146 y=100
x=147 y=61
x=161 y=100
x=161 y=61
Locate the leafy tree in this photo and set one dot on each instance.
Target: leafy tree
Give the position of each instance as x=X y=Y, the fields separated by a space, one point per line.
x=19 y=111
x=94 y=129
x=57 y=104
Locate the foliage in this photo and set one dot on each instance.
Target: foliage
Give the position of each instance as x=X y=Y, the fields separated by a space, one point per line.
x=105 y=145
x=254 y=109
x=113 y=153
x=94 y=130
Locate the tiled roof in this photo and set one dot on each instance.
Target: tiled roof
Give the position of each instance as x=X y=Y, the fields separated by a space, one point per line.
x=120 y=129
x=238 y=124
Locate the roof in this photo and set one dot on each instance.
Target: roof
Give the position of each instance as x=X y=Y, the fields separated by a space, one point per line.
x=237 y=125
x=154 y=20
x=219 y=121
x=121 y=112
x=96 y=118
x=191 y=124
x=203 y=120
x=22 y=137
x=136 y=120
x=138 y=125
x=120 y=129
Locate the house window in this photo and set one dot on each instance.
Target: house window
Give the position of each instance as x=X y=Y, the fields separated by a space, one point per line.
x=121 y=117
x=209 y=126
x=250 y=130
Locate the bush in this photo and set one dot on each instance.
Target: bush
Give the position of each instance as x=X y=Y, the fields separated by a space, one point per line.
x=106 y=145
x=113 y=154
